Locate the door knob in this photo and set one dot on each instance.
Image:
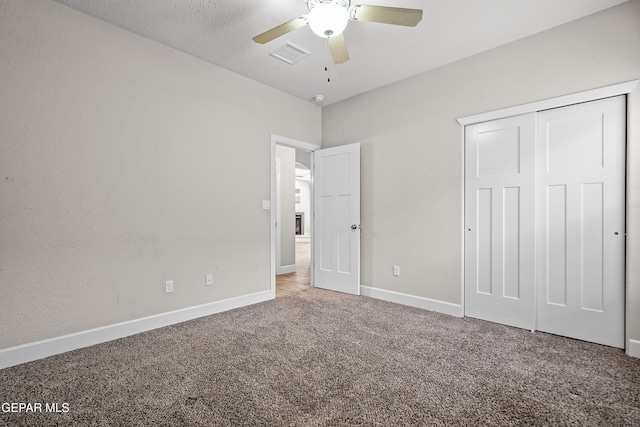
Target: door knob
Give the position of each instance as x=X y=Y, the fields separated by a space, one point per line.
x=354 y=227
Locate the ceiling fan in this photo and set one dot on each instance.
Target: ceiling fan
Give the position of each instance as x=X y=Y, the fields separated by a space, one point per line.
x=329 y=18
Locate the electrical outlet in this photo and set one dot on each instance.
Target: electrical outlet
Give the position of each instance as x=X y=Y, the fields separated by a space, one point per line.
x=396 y=270
x=168 y=286
x=208 y=281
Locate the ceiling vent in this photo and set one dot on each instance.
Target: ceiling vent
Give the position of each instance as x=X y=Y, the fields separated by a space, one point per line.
x=290 y=53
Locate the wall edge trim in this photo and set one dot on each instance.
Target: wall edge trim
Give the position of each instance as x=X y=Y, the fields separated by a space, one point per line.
x=633 y=349
x=413 y=301
x=29 y=352
x=286 y=269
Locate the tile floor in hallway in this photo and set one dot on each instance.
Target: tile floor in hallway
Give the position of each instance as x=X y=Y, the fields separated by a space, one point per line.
x=301 y=279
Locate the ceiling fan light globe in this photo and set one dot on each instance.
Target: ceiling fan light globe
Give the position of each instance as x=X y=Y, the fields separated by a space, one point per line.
x=328 y=19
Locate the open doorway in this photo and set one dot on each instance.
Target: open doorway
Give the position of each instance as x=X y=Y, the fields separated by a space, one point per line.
x=293 y=220
x=292 y=216
x=335 y=207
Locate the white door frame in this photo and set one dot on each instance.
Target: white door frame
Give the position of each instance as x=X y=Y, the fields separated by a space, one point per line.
x=276 y=206
x=561 y=101
x=300 y=145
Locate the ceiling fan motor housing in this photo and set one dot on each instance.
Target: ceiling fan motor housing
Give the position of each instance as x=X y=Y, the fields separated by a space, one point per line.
x=328 y=18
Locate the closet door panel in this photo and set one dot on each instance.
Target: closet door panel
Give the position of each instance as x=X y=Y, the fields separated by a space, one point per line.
x=499 y=218
x=580 y=221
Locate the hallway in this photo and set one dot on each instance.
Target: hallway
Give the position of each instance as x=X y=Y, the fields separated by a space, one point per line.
x=286 y=284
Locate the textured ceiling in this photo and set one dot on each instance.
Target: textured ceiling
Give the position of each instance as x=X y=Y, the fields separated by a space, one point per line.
x=221 y=31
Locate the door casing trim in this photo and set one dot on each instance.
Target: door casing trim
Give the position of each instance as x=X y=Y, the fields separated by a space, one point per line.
x=292 y=143
x=546 y=104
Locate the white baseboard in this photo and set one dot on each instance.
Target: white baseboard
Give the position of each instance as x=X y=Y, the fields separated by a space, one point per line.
x=285 y=269
x=413 y=301
x=40 y=349
x=634 y=348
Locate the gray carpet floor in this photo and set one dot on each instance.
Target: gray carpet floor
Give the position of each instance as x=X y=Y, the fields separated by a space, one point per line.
x=318 y=358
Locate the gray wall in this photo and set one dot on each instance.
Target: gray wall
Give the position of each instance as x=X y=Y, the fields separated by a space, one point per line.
x=303 y=157
x=412 y=158
x=118 y=163
x=119 y=166
x=287 y=224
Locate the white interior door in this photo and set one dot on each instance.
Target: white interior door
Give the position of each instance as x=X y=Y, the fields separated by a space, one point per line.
x=580 y=221
x=499 y=220
x=336 y=189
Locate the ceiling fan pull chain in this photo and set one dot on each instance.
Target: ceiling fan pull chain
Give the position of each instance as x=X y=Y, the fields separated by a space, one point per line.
x=326 y=68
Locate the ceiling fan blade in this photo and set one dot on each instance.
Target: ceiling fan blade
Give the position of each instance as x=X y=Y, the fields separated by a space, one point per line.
x=281 y=30
x=338 y=49
x=386 y=15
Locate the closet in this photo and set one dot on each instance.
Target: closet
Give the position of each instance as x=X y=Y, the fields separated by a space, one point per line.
x=545 y=221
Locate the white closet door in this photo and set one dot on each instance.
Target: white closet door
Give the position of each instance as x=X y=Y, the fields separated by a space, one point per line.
x=499 y=221
x=580 y=221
